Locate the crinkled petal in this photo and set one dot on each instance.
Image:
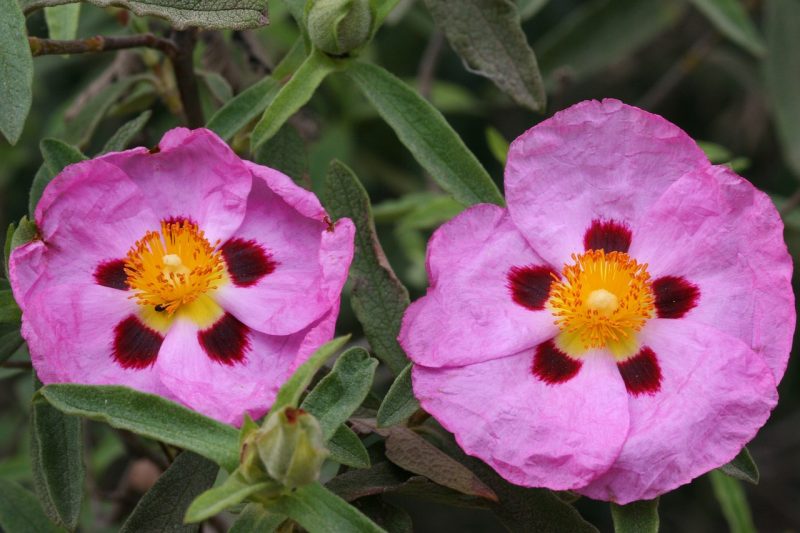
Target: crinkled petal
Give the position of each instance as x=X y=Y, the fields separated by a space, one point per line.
x=194 y=175
x=720 y=233
x=532 y=433
x=594 y=161
x=715 y=395
x=468 y=314
x=310 y=258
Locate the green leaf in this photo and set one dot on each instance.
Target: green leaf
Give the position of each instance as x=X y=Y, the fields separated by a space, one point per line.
x=286 y=152
x=7 y=248
x=636 y=517
x=20 y=511
x=150 y=416
x=24 y=233
x=782 y=72
x=219 y=87
x=62 y=21
x=378 y=298
x=255 y=518
x=119 y=141
x=733 y=501
x=214 y=501
x=57 y=462
x=742 y=467
x=529 y=8
x=318 y=510
x=498 y=145
x=292 y=96
x=731 y=19
x=425 y=132
x=16 y=71
x=399 y=403
x=10 y=341
x=411 y=452
x=163 y=507
x=341 y=392
x=290 y=392
x=347 y=449
x=488 y=36
x=57 y=155
x=181 y=14
x=600 y=33
x=243 y=108
x=9 y=310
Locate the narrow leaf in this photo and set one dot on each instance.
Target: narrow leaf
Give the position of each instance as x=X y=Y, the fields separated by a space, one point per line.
x=488 y=36
x=742 y=467
x=425 y=132
x=498 y=145
x=23 y=234
x=636 y=517
x=399 y=402
x=378 y=298
x=782 y=71
x=7 y=248
x=16 y=71
x=731 y=19
x=289 y=393
x=10 y=312
x=733 y=501
x=119 y=141
x=57 y=463
x=57 y=155
x=150 y=416
x=255 y=518
x=62 y=21
x=163 y=507
x=529 y=8
x=286 y=151
x=20 y=511
x=341 y=392
x=292 y=96
x=318 y=510
x=10 y=341
x=217 y=85
x=214 y=501
x=347 y=449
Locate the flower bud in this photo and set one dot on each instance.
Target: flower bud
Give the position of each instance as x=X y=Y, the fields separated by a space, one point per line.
x=338 y=27
x=288 y=448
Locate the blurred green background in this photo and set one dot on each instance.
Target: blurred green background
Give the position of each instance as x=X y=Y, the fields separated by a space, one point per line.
x=668 y=57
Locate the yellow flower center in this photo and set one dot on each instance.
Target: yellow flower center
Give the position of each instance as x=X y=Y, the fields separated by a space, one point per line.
x=601 y=301
x=173 y=270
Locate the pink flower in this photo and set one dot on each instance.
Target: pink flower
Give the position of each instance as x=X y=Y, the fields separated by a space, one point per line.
x=618 y=330
x=182 y=271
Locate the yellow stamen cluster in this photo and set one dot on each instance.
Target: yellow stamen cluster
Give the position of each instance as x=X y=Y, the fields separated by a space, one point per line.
x=601 y=301
x=173 y=267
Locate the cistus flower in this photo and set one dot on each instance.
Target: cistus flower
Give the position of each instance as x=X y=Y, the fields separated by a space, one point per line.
x=618 y=330
x=182 y=271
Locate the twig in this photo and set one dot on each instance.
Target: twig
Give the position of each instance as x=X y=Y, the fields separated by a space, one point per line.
x=791 y=204
x=185 y=77
x=428 y=63
x=24 y=365
x=99 y=43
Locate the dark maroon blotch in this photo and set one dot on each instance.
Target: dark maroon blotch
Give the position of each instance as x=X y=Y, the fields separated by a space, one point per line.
x=530 y=285
x=179 y=220
x=641 y=373
x=135 y=345
x=608 y=235
x=112 y=274
x=247 y=261
x=674 y=296
x=226 y=341
x=552 y=366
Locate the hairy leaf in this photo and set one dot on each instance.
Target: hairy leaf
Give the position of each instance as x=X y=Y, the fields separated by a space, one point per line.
x=150 y=416
x=213 y=501
x=16 y=71
x=731 y=19
x=399 y=403
x=119 y=141
x=286 y=152
x=425 y=132
x=782 y=71
x=636 y=517
x=488 y=37
x=20 y=511
x=9 y=311
x=742 y=467
x=255 y=518
x=23 y=234
x=62 y=21
x=341 y=392
x=378 y=299
x=163 y=507
x=529 y=8
x=733 y=501
x=347 y=449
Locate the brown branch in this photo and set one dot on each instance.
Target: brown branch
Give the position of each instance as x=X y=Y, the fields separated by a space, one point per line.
x=99 y=43
x=429 y=62
x=791 y=204
x=185 y=77
x=24 y=365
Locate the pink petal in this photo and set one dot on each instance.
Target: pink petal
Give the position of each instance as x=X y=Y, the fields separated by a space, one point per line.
x=559 y=436
x=594 y=161
x=715 y=394
x=310 y=265
x=193 y=175
x=305 y=202
x=718 y=232
x=469 y=313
